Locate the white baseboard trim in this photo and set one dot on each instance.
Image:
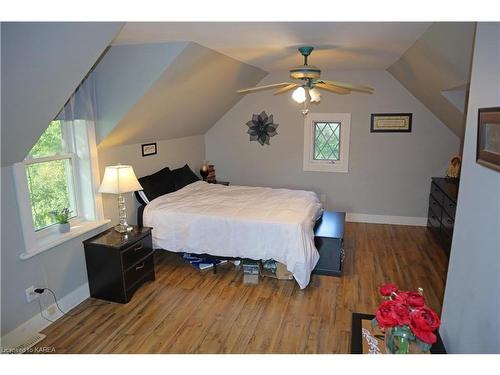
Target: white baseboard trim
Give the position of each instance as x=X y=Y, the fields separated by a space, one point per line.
x=385 y=219
x=37 y=323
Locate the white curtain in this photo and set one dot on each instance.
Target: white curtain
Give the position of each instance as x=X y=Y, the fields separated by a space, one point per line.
x=82 y=104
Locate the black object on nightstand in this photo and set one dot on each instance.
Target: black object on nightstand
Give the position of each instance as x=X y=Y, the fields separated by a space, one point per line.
x=117 y=265
x=329 y=241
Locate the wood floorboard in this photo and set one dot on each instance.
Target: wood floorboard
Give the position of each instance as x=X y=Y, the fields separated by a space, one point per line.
x=188 y=311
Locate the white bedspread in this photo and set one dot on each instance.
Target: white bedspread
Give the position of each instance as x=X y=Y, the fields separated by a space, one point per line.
x=239 y=221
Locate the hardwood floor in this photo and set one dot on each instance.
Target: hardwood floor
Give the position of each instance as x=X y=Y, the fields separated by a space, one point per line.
x=187 y=311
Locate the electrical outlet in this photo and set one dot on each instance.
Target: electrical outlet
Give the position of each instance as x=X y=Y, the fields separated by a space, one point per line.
x=30 y=294
x=51 y=310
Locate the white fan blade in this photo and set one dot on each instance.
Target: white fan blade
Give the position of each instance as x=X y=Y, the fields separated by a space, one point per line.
x=251 y=89
x=286 y=88
x=336 y=90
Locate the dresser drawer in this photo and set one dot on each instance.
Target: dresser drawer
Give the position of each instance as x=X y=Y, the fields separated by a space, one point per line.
x=136 y=251
x=139 y=271
x=447 y=223
x=435 y=205
x=450 y=207
x=437 y=194
x=433 y=220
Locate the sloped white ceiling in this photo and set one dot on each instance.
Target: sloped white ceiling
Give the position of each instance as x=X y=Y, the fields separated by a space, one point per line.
x=440 y=60
x=42 y=64
x=272 y=46
x=124 y=74
x=194 y=91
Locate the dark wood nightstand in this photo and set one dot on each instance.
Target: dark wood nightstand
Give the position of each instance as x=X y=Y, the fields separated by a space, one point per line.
x=117 y=265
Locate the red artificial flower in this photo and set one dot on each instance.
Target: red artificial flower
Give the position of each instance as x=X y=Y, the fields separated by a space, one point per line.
x=387 y=289
x=401 y=313
x=412 y=299
x=423 y=322
x=385 y=315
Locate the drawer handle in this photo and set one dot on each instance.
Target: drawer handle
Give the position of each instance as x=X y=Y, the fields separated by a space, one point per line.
x=449 y=221
x=140 y=267
x=139 y=247
x=451 y=205
x=434 y=203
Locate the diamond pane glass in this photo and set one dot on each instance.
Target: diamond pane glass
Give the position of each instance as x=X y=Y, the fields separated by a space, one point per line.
x=326 y=141
x=51 y=189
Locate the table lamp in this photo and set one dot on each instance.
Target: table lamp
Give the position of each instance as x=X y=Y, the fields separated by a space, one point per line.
x=119 y=179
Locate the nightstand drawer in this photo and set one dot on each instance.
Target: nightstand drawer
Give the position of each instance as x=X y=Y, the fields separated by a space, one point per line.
x=136 y=251
x=139 y=271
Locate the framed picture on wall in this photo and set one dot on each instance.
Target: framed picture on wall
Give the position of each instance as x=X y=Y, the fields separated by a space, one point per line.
x=148 y=149
x=488 y=138
x=390 y=122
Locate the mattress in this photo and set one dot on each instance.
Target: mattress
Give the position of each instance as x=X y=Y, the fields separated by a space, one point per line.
x=239 y=221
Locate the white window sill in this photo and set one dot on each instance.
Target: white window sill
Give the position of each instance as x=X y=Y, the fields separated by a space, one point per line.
x=326 y=167
x=56 y=238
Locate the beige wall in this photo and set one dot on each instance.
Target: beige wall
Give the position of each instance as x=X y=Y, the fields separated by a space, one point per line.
x=389 y=174
x=171 y=153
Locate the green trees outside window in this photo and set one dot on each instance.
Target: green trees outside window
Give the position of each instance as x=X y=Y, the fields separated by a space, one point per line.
x=50 y=182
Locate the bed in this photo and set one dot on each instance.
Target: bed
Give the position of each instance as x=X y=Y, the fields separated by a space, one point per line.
x=238 y=222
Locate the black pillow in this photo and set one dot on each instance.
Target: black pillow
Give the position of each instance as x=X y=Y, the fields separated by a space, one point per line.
x=157 y=184
x=183 y=176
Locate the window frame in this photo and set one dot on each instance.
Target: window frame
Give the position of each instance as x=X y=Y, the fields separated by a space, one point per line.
x=37 y=241
x=314 y=165
x=73 y=186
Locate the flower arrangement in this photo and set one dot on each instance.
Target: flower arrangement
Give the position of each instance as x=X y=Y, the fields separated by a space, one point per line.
x=405 y=318
x=61 y=216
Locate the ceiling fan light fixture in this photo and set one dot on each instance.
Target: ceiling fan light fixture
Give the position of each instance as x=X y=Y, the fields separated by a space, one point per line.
x=315 y=95
x=299 y=95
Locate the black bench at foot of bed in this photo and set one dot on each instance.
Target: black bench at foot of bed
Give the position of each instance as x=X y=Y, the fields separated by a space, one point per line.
x=329 y=241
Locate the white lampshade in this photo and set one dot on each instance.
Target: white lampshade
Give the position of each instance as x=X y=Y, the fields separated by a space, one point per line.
x=299 y=95
x=119 y=179
x=315 y=95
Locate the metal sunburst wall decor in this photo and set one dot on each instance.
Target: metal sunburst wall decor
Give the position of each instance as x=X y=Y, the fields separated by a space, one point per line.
x=261 y=128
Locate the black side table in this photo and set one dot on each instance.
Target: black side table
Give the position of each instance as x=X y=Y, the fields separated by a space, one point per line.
x=118 y=264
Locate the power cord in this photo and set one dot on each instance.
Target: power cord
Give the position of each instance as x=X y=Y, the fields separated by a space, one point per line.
x=42 y=290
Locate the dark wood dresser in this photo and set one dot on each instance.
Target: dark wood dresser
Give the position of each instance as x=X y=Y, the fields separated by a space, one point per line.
x=442 y=207
x=329 y=241
x=117 y=265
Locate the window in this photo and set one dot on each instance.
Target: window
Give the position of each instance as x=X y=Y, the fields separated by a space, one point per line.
x=326 y=142
x=50 y=175
x=59 y=172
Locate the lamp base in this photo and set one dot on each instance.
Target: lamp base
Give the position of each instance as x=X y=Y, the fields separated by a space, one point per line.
x=123 y=228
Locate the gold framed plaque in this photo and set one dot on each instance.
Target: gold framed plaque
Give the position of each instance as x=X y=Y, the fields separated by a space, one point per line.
x=390 y=122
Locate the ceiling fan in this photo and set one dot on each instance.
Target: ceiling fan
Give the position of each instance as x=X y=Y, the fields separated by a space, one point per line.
x=307 y=91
